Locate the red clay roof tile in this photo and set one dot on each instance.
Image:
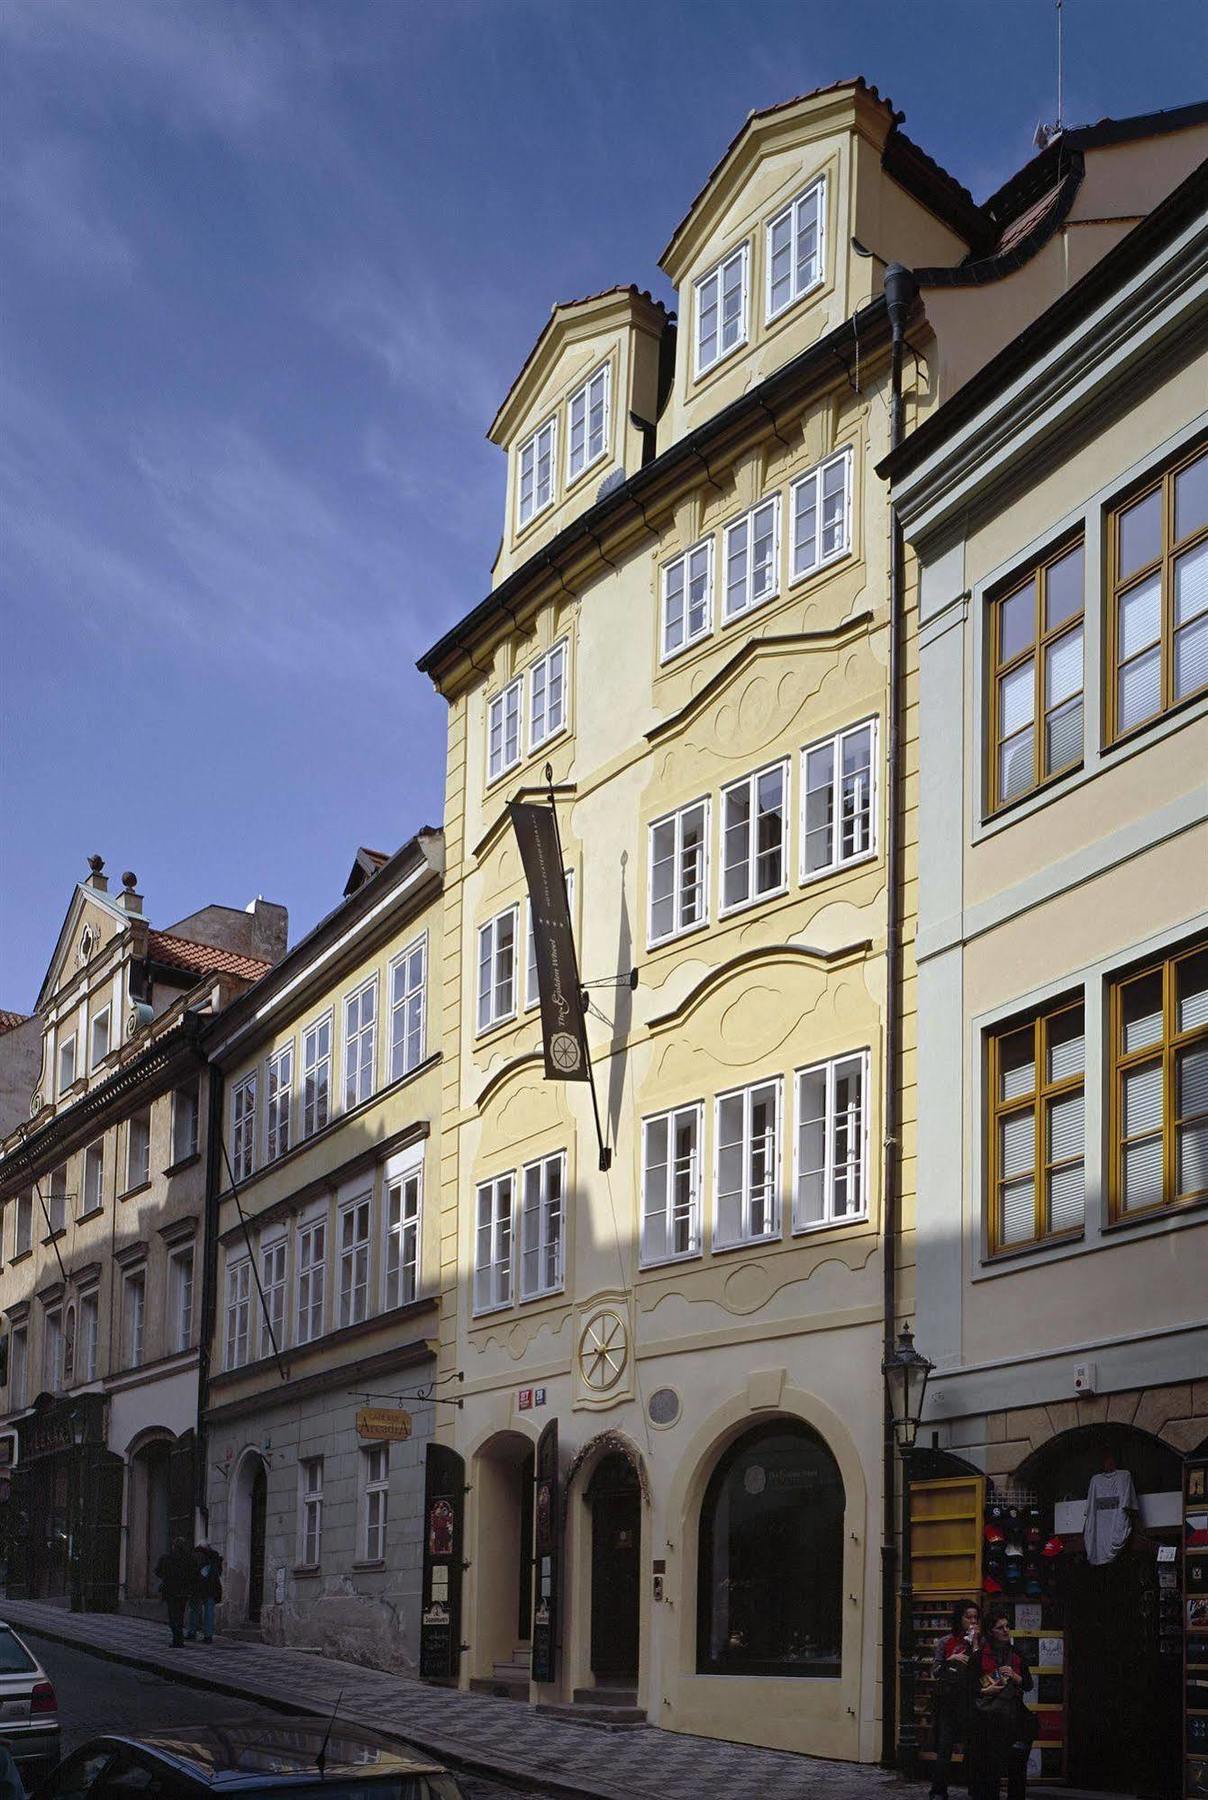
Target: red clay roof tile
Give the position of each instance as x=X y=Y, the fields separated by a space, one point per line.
x=202 y=959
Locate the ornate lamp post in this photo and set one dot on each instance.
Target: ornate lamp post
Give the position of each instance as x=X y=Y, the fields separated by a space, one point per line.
x=906 y=1372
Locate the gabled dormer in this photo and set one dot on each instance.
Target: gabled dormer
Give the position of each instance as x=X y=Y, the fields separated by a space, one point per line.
x=583 y=409
x=764 y=263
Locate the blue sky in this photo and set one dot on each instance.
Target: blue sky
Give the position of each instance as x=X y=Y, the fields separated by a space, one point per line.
x=270 y=268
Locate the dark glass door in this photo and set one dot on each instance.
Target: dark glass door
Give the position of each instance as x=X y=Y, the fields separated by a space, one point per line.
x=524 y=1613
x=255 y=1586
x=616 y=1545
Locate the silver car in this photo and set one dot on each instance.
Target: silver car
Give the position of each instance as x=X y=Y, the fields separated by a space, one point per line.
x=29 y=1708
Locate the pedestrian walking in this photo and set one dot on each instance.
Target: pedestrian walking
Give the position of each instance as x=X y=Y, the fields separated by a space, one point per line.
x=956 y=1668
x=176 y=1573
x=1003 y=1726
x=207 y=1591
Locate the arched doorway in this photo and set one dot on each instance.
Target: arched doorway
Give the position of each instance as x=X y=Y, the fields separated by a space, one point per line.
x=255 y=1584
x=148 y=1516
x=243 y=1582
x=503 y=1563
x=614 y=1499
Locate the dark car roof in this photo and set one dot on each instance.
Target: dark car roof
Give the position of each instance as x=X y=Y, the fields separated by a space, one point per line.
x=249 y=1753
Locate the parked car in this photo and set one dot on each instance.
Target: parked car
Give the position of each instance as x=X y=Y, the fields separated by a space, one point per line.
x=293 y=1759
x=29 y=1709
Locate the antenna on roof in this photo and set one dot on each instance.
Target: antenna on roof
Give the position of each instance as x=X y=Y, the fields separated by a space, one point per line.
x=321 y=1758
x=1045 y=134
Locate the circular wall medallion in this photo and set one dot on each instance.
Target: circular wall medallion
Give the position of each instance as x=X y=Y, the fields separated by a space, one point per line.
x=663 y=1406
x=603 y=1351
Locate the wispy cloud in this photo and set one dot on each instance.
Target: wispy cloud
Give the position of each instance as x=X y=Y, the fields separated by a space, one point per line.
x=54 y=200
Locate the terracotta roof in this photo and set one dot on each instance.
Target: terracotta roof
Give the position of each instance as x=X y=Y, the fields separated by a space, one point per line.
x=9 y=1021
x=202 y=959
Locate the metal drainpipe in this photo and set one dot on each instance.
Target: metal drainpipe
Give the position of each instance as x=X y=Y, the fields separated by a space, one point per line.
x=209 y=1282
x=901 y=291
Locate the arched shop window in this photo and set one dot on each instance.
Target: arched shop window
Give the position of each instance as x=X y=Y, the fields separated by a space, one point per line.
x=770 y=1577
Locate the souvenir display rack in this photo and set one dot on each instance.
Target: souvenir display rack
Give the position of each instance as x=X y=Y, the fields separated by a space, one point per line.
x=1194 y=1605
x=945 y=1566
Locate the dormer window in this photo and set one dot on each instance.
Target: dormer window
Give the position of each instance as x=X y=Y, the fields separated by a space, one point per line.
x=794 y=248
x=721 y=310
x=588 y=423
x=536 y=490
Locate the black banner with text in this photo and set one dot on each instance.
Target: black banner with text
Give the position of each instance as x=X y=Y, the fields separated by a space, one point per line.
x=562 y=1024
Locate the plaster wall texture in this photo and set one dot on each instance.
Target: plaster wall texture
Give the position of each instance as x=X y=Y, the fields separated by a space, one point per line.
x=20 y=1066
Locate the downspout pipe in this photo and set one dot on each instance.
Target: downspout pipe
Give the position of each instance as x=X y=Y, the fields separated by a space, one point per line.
x=901 y=292
x=209 y=1285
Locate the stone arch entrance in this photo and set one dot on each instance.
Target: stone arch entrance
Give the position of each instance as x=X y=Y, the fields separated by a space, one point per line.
x=148 y=1513
x=502 y=1561
x=244 y=1578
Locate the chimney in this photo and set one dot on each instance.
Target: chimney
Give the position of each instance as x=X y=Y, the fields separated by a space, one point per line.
x=128 y=900
x=97 y=879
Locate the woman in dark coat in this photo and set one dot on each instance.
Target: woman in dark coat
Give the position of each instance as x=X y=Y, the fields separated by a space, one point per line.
x=176 y=1573
x=1004 y=1726
x=207 y=1590
x=955 y=1670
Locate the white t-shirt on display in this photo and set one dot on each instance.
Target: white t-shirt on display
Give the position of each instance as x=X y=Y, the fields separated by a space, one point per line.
x=1110 y=1499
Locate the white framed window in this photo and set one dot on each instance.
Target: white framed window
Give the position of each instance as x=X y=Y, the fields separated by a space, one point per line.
x=748 y=1165
x=94 y=1177
x=721 y=309
x=547 y=696
x=493 y=1244
x=354 y=1259
x=821 y=511
x=360 y=1042
x=138 y=1149
x=795 y=248
x=134 y=1308
x=754 y=837
x=752 y=559
x=99 y=1039
x=541 y=1214
x=679 y=872
x=531 y=992
x=535 y=472
x=404 y=1192
x=56 y=1198
x=67 y=1062
x=272 y=1281
x=180 y=1290
x=838 y=800
x=375 y=1499
x=408 y=979
x=312 y=1279
x=672 y=1145
x=310 y=1511
x=279 y=1100
x=186 y=1121
x=23 y=1224
x=587 y=416
x=497 y=969
x=89 y=1333
x=53 y=1351
x=18 y=1366
x=832 y=1142
x=316 y=1076
x=687 y=599
x=238 y=1312
x=243 y=1127
x=69 y=1347
x=503 y=729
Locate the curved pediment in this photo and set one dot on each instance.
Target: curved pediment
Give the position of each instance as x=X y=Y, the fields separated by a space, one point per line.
x=787 y=954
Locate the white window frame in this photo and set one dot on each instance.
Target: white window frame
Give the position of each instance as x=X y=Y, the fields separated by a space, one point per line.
x=103 y=1016
x=23 y=1224
x=754 y=896
x=532 y=994
x=676 y=820
x=359 y=1084
x=65 y=1045
x=559 y=654
x=488 y=935
x=408 y=1007
x=56 y=1199
x=816 y=187
x=509 y=700
x=829 y=1068
x=237 y=1333
x=278 y=1102
x=542 y=1226
x=375 y=1501
x=493 y=1283
x=814 y=479
x=835 y=743
x=352 y=1257
x=774 y=1230
x=533 y=443
x=182 y=1152
x=310 y=1511
x=746 y=525
x=684 y=564
x=590 y=457
x=54 y=1349
x=243 y=1126
x=312 y=1279
x=94 y=1158
x=88 y=1334
x=650 y=1257
x=18 y=1367
x=134 y=1316
x=181 y=1269
x=402 y=1237
x=274 y=1281
x=140 y=1176
x=314 y=1066
x=717 y=274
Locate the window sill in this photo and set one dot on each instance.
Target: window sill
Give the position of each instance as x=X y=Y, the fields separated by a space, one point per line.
x=669 y=1262
x=20 y=1256
x=522 y=530
x=668 y=657
x=811 y=877
x=828 y=1225
x=94 y=1212
x=307 y=1571
x=52 y=1237
x=702 y=375
x=820 y=568
x=996 y=814
x=677 y=937
x=485 y=1032
x=751 y=1243
x=1037 y=1247
x=741 y=906
x=781 y=312
x=544 y=1294
x=140 y=1187
x=736 y=618
x=572 y=481
x=375 y=1563
x=185 y=1162
x=1166 y=1209
x=562 y=731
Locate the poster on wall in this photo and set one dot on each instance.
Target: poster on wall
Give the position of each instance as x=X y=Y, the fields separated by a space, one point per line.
x=547 y=1547
x=444 y=1520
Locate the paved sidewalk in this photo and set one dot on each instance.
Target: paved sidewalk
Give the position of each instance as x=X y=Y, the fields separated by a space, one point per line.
x=477 y=1731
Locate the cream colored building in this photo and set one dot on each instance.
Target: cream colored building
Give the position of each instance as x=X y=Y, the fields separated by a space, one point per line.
x=102 y=1283
x=327 y=1218
x=1058 y=509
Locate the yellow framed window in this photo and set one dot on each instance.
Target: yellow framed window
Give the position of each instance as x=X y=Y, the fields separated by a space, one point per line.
x=1159 y=1028
x=1158 y=573
x=1037 y=1073
x=1036 y=678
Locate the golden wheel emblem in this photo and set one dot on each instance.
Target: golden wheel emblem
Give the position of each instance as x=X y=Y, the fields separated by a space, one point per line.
x=603 y=1351
x=564 y=1050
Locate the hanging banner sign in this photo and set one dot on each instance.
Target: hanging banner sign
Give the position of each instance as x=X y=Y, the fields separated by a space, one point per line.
x=562 y=1024
x=383 y=1422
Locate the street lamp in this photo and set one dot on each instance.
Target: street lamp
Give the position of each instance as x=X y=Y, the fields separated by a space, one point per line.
x=906 y=1371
